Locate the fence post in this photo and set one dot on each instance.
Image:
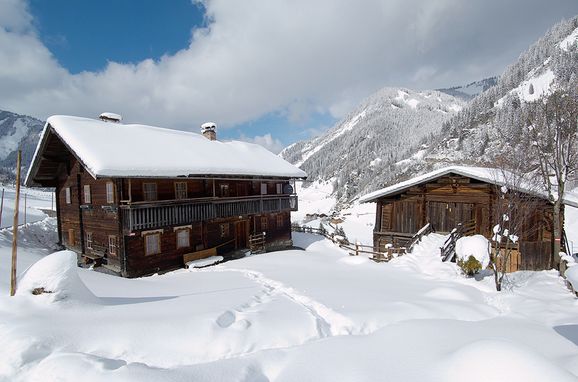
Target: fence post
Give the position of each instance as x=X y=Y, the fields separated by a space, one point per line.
x=357 y=248
x=1 y=207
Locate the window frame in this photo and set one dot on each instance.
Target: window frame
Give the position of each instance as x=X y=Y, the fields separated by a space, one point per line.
x=67 y=195
x=264 y=223
x=178 y=191
x=263 y=188
x=225 y=229
x=146 y=194
x=112 y=246
x=280 y=220
x=87 y=194
x=110 y=192
x=146 y=243
x=88 y=240
x=179 y=232
x=279 y=187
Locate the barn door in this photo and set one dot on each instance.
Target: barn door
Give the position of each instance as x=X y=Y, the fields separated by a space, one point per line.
x=241 y=233
x=446 y=216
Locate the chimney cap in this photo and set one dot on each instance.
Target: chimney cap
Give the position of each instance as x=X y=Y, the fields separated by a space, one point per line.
x=110 y=117
x=208 y=126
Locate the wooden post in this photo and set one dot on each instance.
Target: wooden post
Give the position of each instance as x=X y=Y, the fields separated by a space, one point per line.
x=357 y=249
x=1 y=207
x=15 y=227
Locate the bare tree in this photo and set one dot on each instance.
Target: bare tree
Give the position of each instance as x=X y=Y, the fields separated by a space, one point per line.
x=513 y=208
x=553 y=127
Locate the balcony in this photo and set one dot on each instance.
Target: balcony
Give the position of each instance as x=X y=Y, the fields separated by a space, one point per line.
x=150 y=215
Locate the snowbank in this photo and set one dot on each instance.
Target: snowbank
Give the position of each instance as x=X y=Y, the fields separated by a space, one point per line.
x=572 y=276
x=55 y=276
x=476 y=246
x=495 y=360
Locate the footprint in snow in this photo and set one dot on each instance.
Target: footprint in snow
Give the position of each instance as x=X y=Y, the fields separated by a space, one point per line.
x=226 y=319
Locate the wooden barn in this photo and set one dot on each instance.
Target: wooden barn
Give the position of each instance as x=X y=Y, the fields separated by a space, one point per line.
x=464 y=197
x=142 y=199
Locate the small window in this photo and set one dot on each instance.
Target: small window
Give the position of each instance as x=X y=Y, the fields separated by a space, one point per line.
x=225 y=190
x=180 y=190
x=89 y=240
x=112 y=245
x=87 y=198
x=149 y=191
x=263 y=188
x=183 y=238
x=71 y=237
x=225 y=230
x=67 y=195
x=152 y=244
x=264 y=223
x=109 y=192
x=279 y=188
x=280 y=221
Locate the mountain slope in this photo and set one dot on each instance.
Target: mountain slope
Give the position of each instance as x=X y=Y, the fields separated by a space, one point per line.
x=372 y=138
x=17 y=131
x=471 y=90
x=490 y=124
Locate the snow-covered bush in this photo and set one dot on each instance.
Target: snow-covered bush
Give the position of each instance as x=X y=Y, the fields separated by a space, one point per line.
x=55 y=276
x=476 y=246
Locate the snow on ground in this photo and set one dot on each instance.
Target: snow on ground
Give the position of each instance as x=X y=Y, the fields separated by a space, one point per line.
x=311 y=315
x=35 y=199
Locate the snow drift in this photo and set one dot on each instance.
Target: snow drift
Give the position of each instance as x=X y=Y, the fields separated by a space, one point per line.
x=56 y=276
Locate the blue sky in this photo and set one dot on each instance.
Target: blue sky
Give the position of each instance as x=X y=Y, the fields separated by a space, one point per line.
x=268 y=71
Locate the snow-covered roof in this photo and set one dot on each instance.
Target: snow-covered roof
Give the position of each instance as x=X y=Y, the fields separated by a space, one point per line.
x=130 y=150
x=484 y=174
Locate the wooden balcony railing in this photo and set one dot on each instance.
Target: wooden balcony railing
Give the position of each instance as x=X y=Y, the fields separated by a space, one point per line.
x=168 y=213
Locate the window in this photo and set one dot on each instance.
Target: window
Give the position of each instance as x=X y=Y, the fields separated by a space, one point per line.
x=67 y=195
x=87 y=198
x=224 y=190
x=183 y=240
x=112 y=245
x=89 y=240
x=263 y=188
x=279 y=188
x=109 y=192
x=180 y=190
x=264 y=223
x=280 y=221
x=149 y=191
x=225 y=230
x=152 y=244
x=71 y=237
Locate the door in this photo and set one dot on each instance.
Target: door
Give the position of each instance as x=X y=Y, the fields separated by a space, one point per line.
x=241 y=233
x=445 y=216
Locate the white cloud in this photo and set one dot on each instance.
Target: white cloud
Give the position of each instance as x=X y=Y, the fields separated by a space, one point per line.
x=289 y=56
x=267 y=141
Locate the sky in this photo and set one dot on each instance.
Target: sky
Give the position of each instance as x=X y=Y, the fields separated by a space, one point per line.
x=267 y=71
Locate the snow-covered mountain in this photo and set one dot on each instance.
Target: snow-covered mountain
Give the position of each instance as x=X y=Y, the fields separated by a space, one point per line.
x=17 y=131
x=490 y=124
x=372 y=138
x=398 y=133
x=471 y=90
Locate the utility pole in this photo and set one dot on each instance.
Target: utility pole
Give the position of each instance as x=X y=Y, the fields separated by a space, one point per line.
x=15 y=227
x=1 y=207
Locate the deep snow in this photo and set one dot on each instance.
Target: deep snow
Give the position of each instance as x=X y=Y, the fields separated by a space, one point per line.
x=298 y=315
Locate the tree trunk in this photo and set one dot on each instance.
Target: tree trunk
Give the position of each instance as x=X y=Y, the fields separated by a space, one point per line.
x=556 y=232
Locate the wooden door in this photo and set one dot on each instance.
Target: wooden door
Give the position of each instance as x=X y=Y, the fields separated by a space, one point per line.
x=241 y=233
x=446 y=216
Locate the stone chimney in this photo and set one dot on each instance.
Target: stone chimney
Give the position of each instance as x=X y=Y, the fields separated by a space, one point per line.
x=110 y=117
x=208 y=130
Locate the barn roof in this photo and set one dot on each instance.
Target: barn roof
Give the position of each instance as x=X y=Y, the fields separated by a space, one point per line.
x=484 y=174
x=130 y=150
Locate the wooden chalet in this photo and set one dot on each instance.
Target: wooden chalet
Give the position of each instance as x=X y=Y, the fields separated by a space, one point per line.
x=142 y=199
x=463 y=197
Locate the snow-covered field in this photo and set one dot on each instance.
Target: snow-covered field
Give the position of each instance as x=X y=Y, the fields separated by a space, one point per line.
x=315 y=315
x=301 y=315
x=35 y=199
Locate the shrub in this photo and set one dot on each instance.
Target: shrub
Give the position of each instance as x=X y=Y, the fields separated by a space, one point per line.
x=471 y=266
